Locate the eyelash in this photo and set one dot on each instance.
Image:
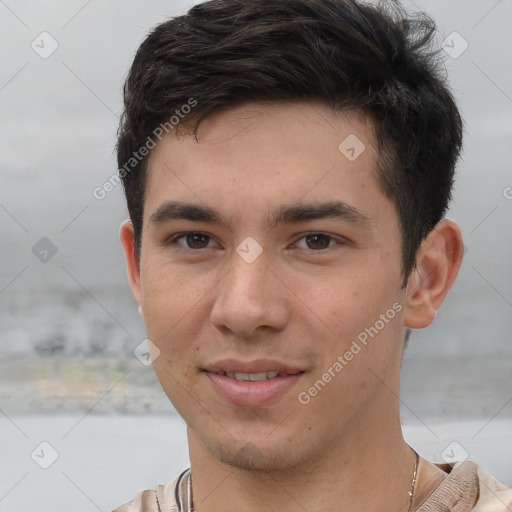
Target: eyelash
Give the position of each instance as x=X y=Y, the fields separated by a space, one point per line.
x=173 y=242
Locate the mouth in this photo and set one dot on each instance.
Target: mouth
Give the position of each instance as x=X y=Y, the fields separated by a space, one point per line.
x=255 y=377
x=252 y=384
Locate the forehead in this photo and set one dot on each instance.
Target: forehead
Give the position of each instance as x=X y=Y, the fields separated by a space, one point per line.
x=252 y=158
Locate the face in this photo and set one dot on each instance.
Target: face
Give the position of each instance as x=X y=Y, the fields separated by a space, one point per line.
x=270 y=252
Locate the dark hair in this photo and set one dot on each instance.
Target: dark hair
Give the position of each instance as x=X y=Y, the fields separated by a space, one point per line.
x=354 y=56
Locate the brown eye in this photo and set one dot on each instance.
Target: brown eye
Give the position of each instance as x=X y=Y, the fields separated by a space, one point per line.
x=194 y=241
x=318 y=241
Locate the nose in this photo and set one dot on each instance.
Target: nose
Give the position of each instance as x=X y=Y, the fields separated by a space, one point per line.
x=250 y=297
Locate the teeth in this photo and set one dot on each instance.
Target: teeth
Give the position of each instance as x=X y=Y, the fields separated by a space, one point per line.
x=257 y=376
x=253 y=377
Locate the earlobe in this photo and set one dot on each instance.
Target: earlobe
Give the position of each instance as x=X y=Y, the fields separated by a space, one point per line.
x=126 y=235
x=437 y=264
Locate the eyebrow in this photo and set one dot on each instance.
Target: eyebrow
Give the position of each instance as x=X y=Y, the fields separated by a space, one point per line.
x=301 y=212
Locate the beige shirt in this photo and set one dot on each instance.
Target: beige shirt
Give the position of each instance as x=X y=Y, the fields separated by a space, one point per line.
x=466 y=488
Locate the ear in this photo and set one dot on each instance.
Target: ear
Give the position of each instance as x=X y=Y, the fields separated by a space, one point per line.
x=126 y=234
x=437 y=265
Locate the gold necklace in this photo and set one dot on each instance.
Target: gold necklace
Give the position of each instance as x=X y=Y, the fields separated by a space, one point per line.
x=413 y=483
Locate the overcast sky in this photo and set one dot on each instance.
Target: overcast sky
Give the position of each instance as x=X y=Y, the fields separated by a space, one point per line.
x=59 y=116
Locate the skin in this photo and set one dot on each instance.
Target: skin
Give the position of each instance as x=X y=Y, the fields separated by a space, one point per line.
x=302 y=301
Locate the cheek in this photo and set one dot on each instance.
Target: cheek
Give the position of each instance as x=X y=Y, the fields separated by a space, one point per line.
x=164 y=305
x=357 y=308
x=344 y=302
x=175 y=308
x=167 y=294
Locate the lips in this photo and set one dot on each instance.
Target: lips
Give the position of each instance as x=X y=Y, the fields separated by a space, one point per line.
x=232 y=366
x=253 y=383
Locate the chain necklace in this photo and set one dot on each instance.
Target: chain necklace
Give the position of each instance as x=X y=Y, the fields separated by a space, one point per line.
x=413 y=483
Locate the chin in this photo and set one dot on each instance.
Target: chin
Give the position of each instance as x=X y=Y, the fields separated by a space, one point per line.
x=257 y=457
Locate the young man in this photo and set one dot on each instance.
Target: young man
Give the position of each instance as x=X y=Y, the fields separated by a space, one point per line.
x=287 y=165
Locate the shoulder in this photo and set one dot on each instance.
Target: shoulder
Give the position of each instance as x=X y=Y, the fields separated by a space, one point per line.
x=164 y=498
x=494 y=496
x=468 y=488
x=145 y=501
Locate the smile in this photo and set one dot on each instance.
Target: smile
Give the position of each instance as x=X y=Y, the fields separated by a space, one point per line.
x=252 y=389
x=254 y=377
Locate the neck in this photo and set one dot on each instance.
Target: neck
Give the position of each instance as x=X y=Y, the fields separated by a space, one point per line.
x=368 y=471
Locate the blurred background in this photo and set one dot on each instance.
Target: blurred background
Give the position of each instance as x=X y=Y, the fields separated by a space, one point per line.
x=72 y=366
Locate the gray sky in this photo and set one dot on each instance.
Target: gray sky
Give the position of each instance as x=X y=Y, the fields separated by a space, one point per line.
x=59 y=116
